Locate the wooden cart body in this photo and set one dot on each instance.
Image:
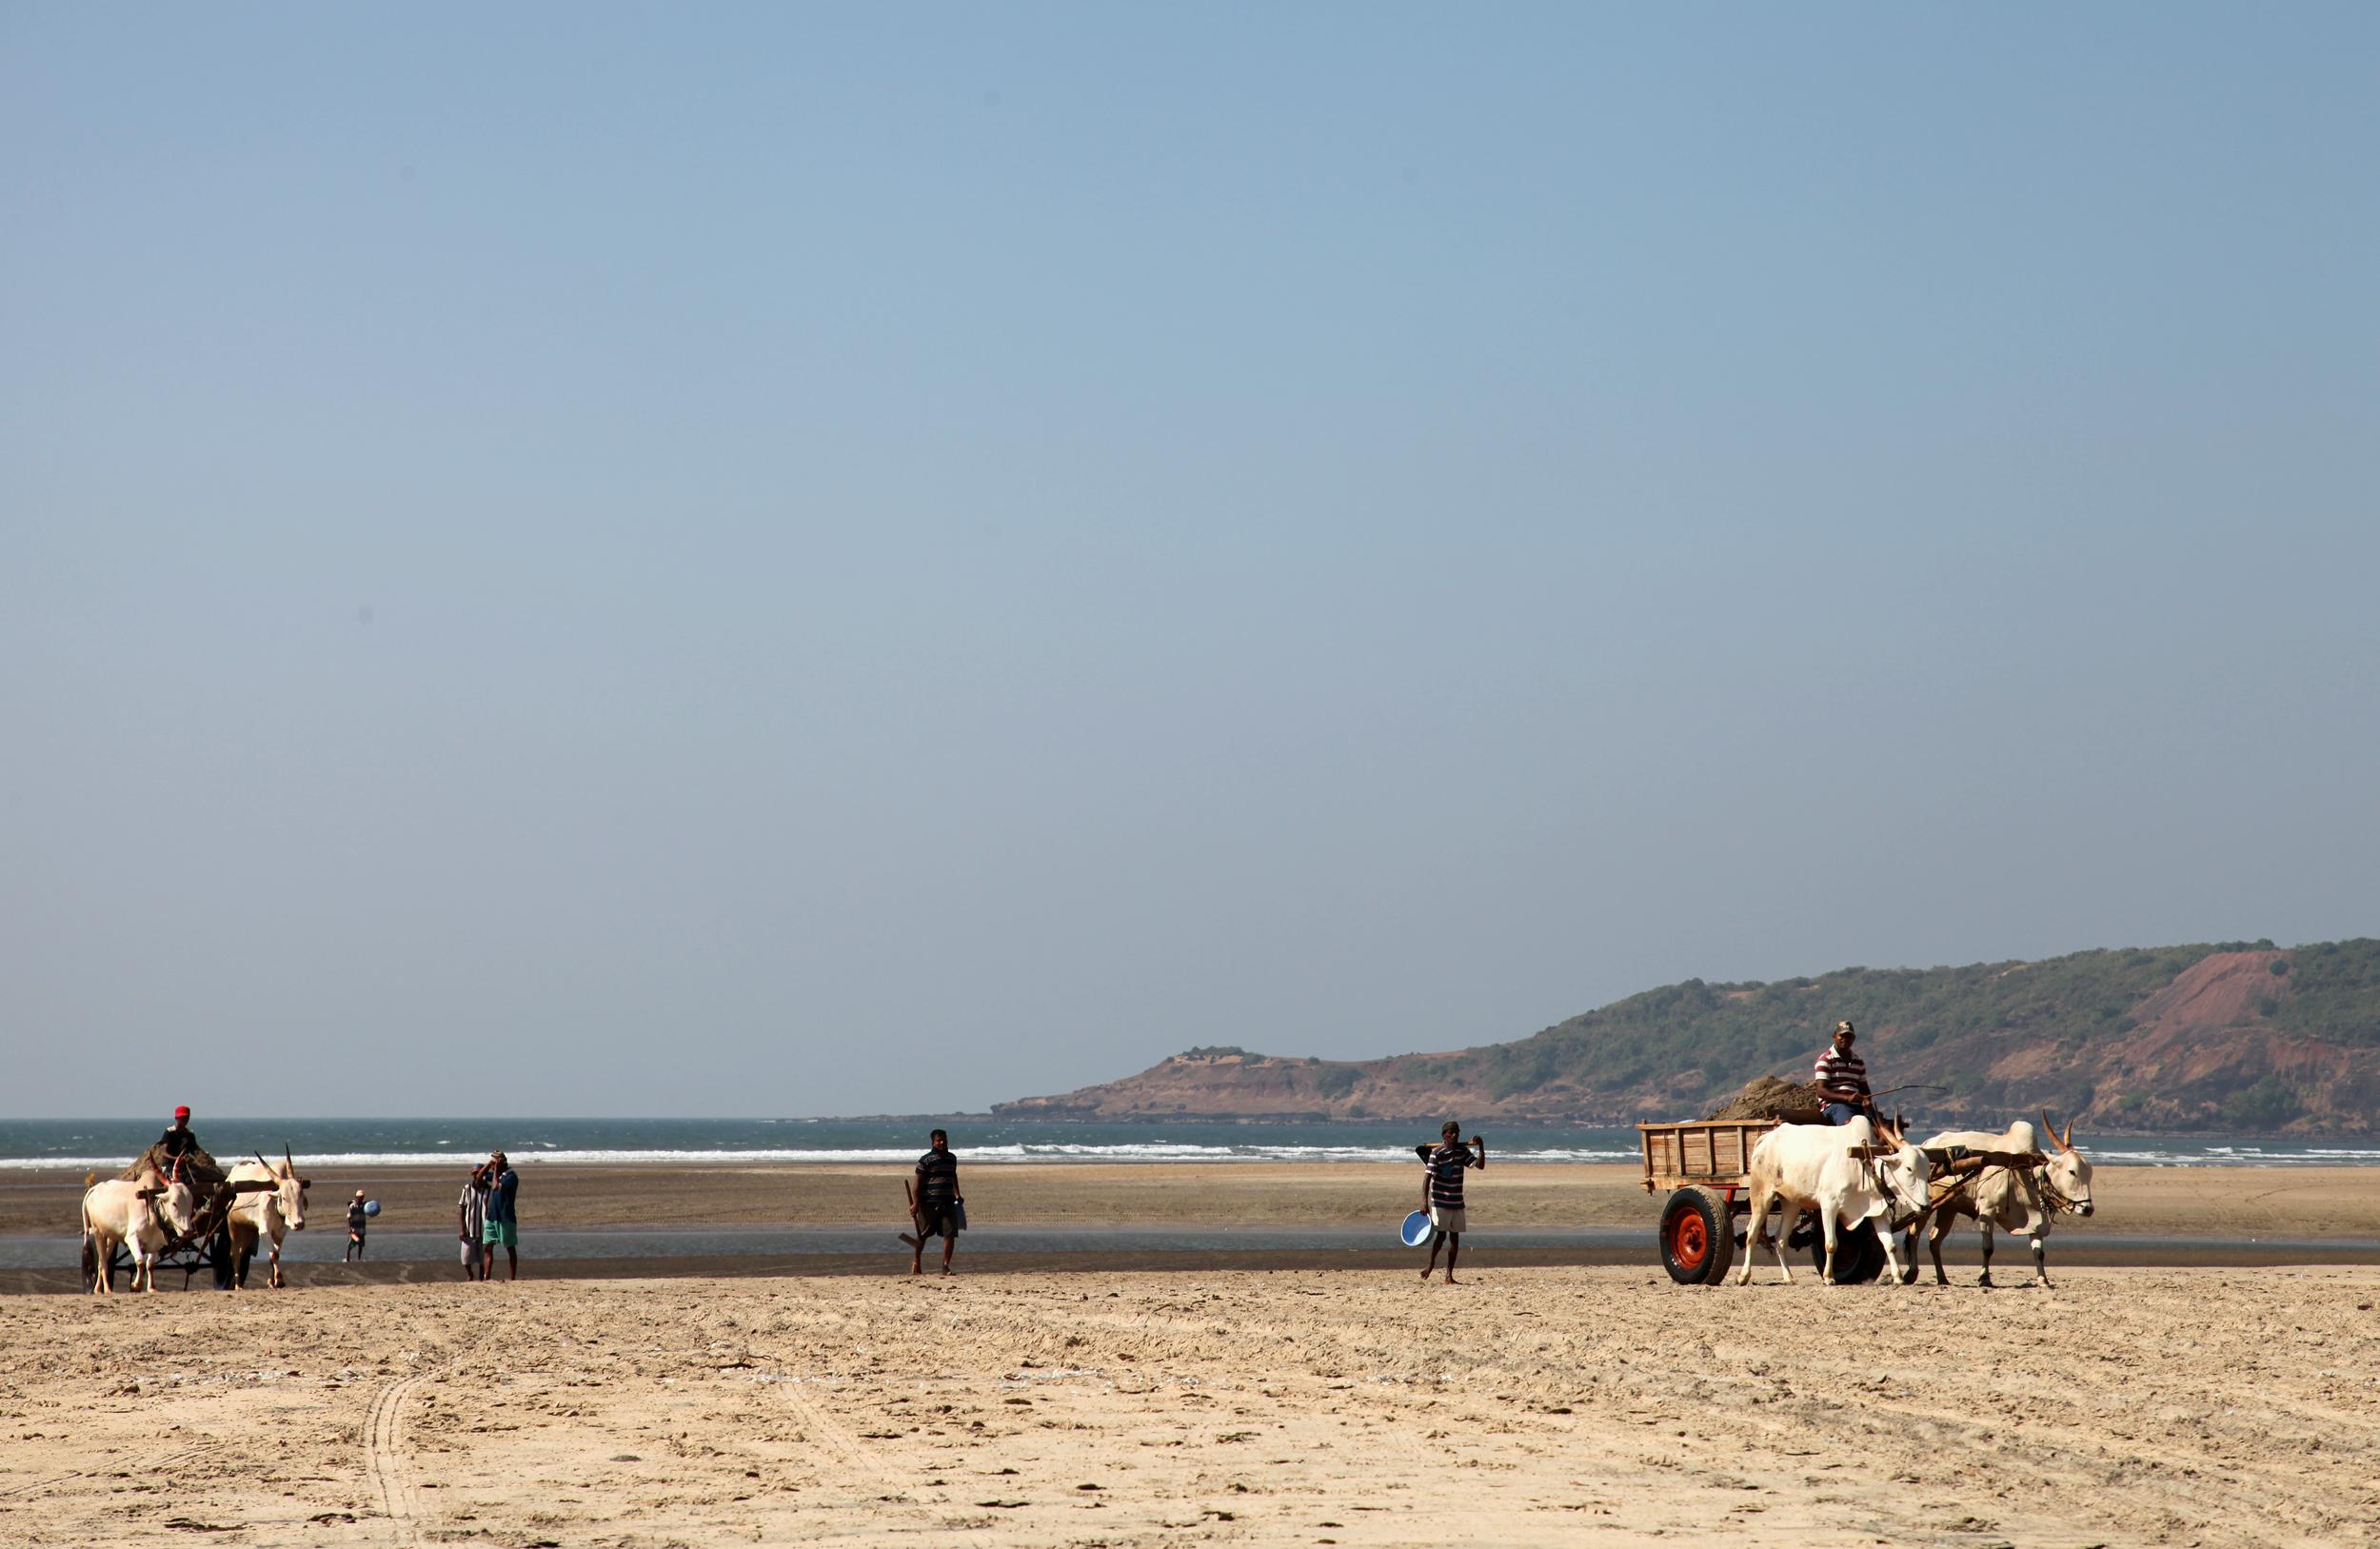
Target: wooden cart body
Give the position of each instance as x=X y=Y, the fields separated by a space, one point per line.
x=1701 y=1153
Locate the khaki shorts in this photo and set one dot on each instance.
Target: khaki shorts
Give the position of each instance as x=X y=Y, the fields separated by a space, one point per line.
x=1446 y=1217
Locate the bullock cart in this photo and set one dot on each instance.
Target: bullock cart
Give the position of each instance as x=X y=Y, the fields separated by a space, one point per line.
x=1704 y=1167
x=192 y=1251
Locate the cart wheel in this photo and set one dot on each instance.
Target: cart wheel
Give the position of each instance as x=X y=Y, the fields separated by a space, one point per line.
x=1698 y=1236
x=1858 y=1256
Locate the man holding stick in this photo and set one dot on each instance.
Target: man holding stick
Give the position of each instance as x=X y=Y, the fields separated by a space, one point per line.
x=1841 y=1078
x=934 y=1203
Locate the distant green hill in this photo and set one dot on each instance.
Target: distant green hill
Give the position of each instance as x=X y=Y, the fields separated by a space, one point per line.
x=2232 y=1035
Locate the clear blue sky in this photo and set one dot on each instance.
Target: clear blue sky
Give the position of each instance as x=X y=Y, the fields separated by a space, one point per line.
x=777 y=559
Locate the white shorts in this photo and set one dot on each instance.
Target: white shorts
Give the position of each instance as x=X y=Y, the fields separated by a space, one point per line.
x=1446 y=1217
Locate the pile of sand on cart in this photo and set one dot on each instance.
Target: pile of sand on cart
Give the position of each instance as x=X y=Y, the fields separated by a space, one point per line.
x=1766 y=1097
x=205 y=1173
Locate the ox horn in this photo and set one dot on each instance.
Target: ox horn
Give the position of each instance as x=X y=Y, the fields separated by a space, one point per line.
x=2050 y=1124
x=2065 y=1141
x=260 y=1160
x=287 y=1159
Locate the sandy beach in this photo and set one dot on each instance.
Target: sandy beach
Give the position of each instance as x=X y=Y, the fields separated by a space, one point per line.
x=1528 y=1406
x=1234 y=1398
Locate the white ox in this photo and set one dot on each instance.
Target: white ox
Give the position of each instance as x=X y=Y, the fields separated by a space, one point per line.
x=2010 y=1199
x=142 y=1216
x=274 y=1208
x=1843 y=1172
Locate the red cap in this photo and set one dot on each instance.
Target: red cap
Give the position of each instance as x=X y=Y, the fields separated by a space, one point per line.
x=182 y=1112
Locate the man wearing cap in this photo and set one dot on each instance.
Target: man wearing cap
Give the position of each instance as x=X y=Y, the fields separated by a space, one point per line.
x=357 y=1216
x=503 y=1224
x=1842 y=1078
x=180 y=1139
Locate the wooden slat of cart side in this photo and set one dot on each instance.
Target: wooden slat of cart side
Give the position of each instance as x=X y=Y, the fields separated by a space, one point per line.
x=1716 y=1153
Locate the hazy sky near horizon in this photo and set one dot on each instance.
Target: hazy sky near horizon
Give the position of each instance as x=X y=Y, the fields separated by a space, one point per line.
x=776 y=560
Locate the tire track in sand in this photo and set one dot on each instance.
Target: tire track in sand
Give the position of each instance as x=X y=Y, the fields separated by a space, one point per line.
x=385 y=1465
x=821 y=1427
x=386 y=1429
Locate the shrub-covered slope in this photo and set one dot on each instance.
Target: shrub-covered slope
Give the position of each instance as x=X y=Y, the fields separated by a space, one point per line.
x=2237 y=1035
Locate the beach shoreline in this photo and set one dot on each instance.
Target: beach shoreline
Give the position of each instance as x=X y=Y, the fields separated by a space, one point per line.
x=2223 y=1201
x=2162 y=1216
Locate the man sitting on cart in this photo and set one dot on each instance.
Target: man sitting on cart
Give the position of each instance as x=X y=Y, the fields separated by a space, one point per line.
x=179 y=1140
x=177 y=1154
x=1842 y=1080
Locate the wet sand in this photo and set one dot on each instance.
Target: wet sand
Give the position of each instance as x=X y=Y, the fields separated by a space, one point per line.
x=1528 y=1406
x=2295 y=1202
x=2210 y=1217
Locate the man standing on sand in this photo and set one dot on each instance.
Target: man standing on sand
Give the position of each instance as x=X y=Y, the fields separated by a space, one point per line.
x=939 y=1207
x=470 y=1219
x=1842 y=1078
x=357 y=1216
x=1441 y=1190
x=504 y=1224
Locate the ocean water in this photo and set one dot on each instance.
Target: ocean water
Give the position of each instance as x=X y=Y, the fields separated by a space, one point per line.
x=27 y=1143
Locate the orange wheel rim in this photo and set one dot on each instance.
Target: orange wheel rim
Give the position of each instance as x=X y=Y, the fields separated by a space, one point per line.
x=1691 y=1243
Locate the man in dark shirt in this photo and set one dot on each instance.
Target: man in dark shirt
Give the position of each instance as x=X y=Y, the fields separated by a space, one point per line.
x=504 y=1224
x=179 y=1140
x=938 y=1208
x=1442 y=1168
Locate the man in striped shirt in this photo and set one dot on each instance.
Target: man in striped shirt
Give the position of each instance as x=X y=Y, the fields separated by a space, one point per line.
x=1842 y=1078
x=939 y=1207
x=1441 y=1190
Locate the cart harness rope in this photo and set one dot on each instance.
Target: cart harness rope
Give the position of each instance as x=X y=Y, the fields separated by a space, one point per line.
x=1876 y=1181
x=2035 y=1173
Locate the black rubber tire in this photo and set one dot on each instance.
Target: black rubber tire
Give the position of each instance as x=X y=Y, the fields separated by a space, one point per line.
x=1698 y=1237
x=1858 y=1256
